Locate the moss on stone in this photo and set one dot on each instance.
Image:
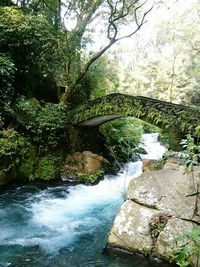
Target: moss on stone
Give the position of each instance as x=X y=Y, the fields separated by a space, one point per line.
x=168 y=116
x=13 y=147
x=7 y=176
x=158 y=165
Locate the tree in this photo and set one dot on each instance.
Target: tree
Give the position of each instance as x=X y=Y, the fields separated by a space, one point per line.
x=114 y=15
x=35 y=47
x=166 y=64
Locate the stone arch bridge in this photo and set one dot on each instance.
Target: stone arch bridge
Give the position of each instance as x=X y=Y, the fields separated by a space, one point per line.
x=173 y=118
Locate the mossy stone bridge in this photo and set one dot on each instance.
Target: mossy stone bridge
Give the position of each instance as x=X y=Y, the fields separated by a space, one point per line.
x=173 y=118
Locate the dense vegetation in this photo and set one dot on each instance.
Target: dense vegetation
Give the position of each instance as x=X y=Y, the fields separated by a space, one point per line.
x=43 y=64
x=47 y=66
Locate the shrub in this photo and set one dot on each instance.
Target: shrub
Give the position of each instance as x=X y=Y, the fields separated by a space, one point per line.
x=188 y=254
x=191 y=154
x=122 y=137
x=7 y=71
x=48 y=167
x=52 y=125
x=90 y=178
x=13 y=150
x=47 y=124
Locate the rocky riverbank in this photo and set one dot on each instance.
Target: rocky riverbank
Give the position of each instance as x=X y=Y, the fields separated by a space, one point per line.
x=161 y=205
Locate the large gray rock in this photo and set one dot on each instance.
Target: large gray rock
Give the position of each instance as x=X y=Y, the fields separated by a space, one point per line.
x=165 y=244
x=131 y=228
x=161 y=206
x=169 y=189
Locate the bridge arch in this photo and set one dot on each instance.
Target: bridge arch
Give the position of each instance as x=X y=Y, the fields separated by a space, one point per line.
x=173 y=118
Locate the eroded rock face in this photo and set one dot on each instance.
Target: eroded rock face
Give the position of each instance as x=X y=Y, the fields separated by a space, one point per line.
x=168 y=193
x=165 y=244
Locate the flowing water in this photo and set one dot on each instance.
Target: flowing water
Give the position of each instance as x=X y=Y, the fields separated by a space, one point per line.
x=67 y=226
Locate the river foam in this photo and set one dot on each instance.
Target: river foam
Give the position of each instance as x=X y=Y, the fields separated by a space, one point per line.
x=59 y=217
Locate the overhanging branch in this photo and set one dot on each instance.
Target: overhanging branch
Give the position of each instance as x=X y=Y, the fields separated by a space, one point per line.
x=118 y=13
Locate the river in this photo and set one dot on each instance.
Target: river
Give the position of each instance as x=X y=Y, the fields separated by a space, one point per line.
x=67 y=226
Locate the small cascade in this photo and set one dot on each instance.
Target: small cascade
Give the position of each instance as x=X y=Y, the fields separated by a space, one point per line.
x=66 y=226
x=153 y=148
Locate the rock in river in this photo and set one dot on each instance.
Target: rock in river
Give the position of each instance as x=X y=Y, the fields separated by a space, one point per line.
x=161 y=205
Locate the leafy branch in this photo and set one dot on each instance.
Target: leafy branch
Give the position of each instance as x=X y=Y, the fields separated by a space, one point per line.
x=191 y=154
x=119 y=12
x=190 y=249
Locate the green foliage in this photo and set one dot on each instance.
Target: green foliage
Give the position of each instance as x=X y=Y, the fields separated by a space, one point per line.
x=102 y=77
x=13 y=147
x=47 y=123
x=100 y=80
x=48 y=167
x=197 y=131
x=191 y=154
x=46 y=127
x=150 y=128
x=26 y=113
x=190 y=249
x=28 y=161
x=158 y=165
x=7 y=70
x=34 y=46
x=90 y=178
x=52 y=125
x=164 y=138
x=122 y=137
x=27 y=164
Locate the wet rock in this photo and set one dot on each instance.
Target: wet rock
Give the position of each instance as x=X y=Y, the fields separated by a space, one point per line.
x=91 y=162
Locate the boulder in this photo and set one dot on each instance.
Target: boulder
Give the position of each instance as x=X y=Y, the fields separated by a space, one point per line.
x=82 y=166
x=165 y=244
x=161 y=205
x=168 y=189
x=91 y=162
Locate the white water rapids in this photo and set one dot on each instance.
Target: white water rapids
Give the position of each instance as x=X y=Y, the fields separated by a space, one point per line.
x=59 y=217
